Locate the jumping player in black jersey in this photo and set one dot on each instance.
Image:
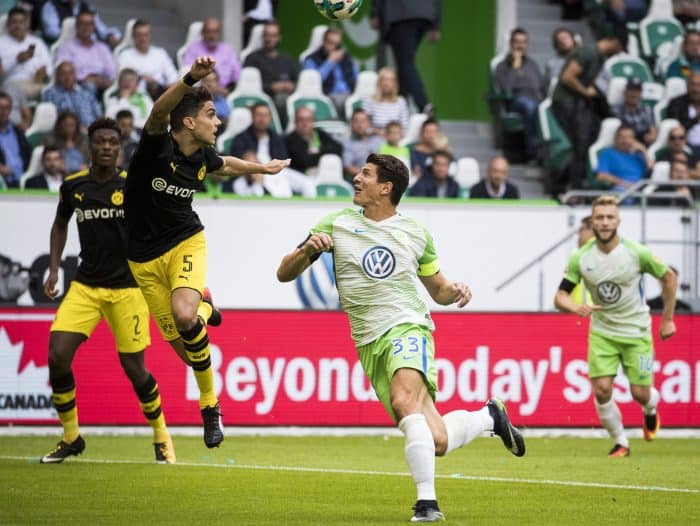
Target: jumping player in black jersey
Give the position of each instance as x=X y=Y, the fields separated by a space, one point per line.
x=166 y=245
x=103 y=288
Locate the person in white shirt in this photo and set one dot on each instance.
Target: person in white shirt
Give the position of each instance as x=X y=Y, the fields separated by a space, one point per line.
x=152 y=63
x=24 y=59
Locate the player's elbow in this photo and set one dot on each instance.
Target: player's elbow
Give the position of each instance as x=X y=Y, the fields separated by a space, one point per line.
x=283 y=275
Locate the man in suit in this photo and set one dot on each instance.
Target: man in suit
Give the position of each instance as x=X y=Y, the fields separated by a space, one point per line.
x=52 y=174
x=437 y=182
x=14 y=148
x=686 y=109
x=496 y=185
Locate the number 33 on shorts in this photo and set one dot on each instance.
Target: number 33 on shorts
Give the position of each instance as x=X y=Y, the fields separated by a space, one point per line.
x=410 y=349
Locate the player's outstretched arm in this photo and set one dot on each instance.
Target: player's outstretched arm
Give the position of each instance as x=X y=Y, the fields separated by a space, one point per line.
x=59 y=234
x=446 y=292
x=298 y=261
x=669 y=285
x=159 y=117
x=233 y=166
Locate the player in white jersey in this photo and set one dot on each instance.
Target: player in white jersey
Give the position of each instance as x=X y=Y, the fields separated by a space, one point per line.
x=380 y=258
x=611 y=269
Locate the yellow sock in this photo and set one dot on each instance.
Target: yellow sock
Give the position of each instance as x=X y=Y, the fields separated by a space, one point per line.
x=204 y=311
x=63 y=397
x=196 y=342
x=149 y=399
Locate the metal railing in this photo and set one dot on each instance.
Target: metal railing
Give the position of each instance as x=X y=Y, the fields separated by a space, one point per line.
x=643 y=191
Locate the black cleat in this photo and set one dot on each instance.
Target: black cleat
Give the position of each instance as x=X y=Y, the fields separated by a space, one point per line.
x=512 y=438
x=64 y=450
x=427 y=511
x=213 y=428
x=651 y=426
x=619 y=450
x=215 y=319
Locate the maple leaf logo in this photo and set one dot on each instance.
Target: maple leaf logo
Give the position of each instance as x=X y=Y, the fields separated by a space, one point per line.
x=26 y=394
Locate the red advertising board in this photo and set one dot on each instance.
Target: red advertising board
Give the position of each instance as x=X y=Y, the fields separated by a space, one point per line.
x=300 y=368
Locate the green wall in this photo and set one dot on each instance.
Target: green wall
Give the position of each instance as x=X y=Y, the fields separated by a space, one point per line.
x=455 y=70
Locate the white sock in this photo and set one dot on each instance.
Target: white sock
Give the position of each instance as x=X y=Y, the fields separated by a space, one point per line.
x=611 y=419
x=464 y=426
x=420 y=454
x=650 y=408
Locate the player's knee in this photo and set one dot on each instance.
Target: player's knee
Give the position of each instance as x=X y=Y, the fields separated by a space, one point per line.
x=440 y=439
x=59 y=363
x=134 y=368
x=640 y=394
x=185 y=319
x=603 y=394
x=404 y=403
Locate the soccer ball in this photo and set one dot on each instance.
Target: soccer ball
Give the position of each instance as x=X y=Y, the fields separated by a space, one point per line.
x=337 y=9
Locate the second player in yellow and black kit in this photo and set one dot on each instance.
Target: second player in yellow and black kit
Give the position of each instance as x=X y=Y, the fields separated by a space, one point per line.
x=103 y=287
x=167 y=249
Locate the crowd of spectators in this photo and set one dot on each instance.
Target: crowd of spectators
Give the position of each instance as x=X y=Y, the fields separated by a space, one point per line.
x=578 y=82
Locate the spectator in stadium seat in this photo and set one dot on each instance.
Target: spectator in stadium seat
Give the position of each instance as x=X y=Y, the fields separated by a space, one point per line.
x=578 y=106
x=128 y=96
x=54 y=11
x=67 y=94
x=218 y=95
x=437 y=182
x=24 y=59
x=386 y=104
x=261 y=139
x=689 y=60
x=495 y=185
x=66 y=135
x=227 y=65
x=685 y=109
x=306 y=145
x=686 y=11
x=94 y=64
x=21 y=114
x=359 y=144
x=129 y=139
x=279 y=70
x=678 y=172
x=636 y=114
x=335 y=65
x=423 y=150
x=564 y=43
x=393 y=134
x=152 y=63
x=403 y=25
x=53 y=171
x=14 y=148
x=519 y=78
x=625 y=162
x=676 y=148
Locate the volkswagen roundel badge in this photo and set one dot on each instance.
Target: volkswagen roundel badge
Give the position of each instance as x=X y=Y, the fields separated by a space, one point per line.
x=378 y=262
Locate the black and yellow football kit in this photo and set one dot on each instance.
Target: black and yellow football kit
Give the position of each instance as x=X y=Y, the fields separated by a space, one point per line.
x=166 y=245
x=103 y=287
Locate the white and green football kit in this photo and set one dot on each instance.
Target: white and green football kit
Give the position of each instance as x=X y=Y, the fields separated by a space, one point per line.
x=621 y=330
x=377 y=264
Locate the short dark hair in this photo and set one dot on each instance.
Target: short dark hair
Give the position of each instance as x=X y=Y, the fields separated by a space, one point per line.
x=393 y=170
x=17 y=10
x=124 y=114
x=443 y=153
x=428 y=122
x=393 y=124
x=49 y=149
x=358 y=110
x=103 y=123
x=624 y=126
x=140 y=22
x=257 y=105
x=517 y=31
x=188 y=106
x=587 y=222
x=5 y=95
x=557 y=32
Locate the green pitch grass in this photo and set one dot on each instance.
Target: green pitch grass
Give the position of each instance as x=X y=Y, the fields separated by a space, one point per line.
x=349 y=480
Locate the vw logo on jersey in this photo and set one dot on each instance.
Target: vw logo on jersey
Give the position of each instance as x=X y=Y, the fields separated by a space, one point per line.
x=316 y=285
x=378 y=262
x=608 y=292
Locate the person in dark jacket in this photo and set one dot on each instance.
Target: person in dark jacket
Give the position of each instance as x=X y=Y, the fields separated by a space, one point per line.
x=14 y=148
x=52 y=174
x=685 y=110
x=437 y=182
x=495 y=185
x=335 y=65
x=260 y=130
x=403 y=24
x=306 y=145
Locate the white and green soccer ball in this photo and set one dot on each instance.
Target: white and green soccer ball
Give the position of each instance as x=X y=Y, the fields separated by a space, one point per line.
x=337 y=9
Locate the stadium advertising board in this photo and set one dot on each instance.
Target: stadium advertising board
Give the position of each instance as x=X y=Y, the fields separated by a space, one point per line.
x=300 y=368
